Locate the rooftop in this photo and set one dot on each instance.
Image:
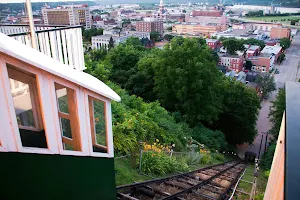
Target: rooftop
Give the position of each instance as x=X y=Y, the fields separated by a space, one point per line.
x=271 y=49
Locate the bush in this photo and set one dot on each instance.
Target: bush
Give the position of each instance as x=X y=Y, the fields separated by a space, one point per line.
x=219 y=157
x=194 y=159
x=161 y=163
x=259 y=197
x=206 y=159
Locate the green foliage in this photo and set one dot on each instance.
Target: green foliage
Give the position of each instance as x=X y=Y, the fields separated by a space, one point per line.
x=266 y=84
x=258 y=13
x=276 y=112
x=285 y=43
x=206 y=159
x=186 y=79
x=134 y=121
x=267 y=159
x=161 y=163
x=248 y=65
x=193 y=159
x=259 y=197
x=232 y=45
x=154 y=36
x=281 y=58
x=168 y=37
x=111 y=43
x=214 y=140
x=169 y=28
x=240 y=110
x=89 y=33
x=253 y=41
x=219 y=157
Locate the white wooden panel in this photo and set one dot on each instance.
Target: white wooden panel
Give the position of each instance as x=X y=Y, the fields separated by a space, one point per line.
x=80 y=50
x=46 y=41
x=64 y=44
x=42 y=43
x=47 y=107
x=83 y=122
x=109 y=127
x=6 y=138
x=75 y=49
x=53 y=43
x=69 y=48
x=28 y=40
x=59 y=47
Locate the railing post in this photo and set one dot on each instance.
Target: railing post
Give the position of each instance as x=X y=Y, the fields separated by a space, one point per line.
x=31 y=24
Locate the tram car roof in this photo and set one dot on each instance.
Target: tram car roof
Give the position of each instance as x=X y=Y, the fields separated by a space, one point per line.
x=27 y=54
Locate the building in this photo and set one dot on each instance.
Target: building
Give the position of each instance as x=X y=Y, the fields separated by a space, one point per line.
x=207 y=20
x=251 y=50
x=232 y=62
x=162 y=13
x=150 y=25
x=67 y=15
x=209 y=13
x=195 y=29
x=263 y=26
x=275 y=50
x=262 y=63
x=277 y=33
x=214 y=44
x=102 y=41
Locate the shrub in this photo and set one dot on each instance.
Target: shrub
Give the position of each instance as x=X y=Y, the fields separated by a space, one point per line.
x=160 y=163
x=206 y=159
x=194 y=159
x=259 y=197
x=219 y=157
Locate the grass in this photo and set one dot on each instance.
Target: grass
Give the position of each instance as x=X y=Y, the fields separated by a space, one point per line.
x=244 y=186
x=281 y=19
x=126 y=173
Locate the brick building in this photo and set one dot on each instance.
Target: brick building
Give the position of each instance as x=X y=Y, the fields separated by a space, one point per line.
x=67 y=15
x=277 y=33
x=195 y=29
x=252 y=50
x=214 y=44
x=150 y=26
x=263 y=63
x=232 y=62
x=210 y=13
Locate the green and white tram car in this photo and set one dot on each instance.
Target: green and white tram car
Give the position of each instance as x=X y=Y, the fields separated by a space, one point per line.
x=56 y=137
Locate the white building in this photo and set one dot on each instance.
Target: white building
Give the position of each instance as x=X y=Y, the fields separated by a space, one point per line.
x=102 y=41
x=67 y=15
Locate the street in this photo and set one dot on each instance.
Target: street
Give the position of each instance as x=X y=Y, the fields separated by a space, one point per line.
x=289 y=71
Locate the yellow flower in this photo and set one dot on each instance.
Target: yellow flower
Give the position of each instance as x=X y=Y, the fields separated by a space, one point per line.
x=157 y=140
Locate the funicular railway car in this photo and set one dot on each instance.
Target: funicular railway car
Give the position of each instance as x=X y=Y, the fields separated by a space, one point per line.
x=55 y=129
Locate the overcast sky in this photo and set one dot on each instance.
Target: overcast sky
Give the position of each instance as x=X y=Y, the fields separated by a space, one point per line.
x=22 y=1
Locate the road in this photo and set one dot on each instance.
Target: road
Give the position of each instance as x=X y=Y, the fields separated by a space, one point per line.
x=289 y=71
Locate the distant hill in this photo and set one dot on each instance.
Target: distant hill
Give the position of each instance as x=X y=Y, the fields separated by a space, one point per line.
x=284 y=3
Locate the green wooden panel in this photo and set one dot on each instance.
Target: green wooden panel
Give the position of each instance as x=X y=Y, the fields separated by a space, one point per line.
x=53 y=177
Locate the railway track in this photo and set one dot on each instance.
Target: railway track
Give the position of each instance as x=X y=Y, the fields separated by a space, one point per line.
x=212 y=183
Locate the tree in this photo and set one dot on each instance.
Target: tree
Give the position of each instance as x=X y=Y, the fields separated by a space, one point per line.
x=276 y=112
x=111 y=43
x=168 y=37
x=281 y=58
x=285 y=43
x=239 y=114
x=123 y=60
x=254 y=41
x=88 y=33
x=187 y=80
x=154 y=36
x=266 y=84
x=232 y=45
x=134 y=41
x=248 y=65
x=169 y=28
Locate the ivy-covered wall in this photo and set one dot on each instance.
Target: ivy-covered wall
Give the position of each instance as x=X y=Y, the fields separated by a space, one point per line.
x=48 y=177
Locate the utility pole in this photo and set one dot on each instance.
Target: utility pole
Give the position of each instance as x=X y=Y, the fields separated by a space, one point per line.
x=262 y=138
x=31 y=24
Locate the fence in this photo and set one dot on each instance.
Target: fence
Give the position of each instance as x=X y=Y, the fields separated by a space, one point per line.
x=63 y=43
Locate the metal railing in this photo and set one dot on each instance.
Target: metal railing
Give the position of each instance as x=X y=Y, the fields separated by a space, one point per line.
x=63 y=43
